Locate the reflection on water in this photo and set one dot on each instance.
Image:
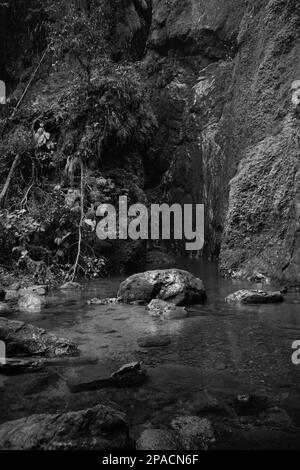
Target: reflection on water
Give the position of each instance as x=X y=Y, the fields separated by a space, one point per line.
x=221 y=350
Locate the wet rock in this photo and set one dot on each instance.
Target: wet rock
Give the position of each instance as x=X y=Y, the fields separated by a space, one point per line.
x=155 y=341
x=158 y=439
x=259 y=278
x=247 y=405
x=15 y=286
x=38 y=290
x=173 y=285
x=276 y=417
x=98 y=428
x=23 y=339
x=30 y=302
x=166 y=310
x=255 y=297
x=71 y=286
x=129 y=375
x=108 y=301
x=20 y=366
x=12 y=295
x=195 y=433
x=3 y=307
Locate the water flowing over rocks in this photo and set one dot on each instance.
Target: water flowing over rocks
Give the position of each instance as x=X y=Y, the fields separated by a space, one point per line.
x=255 y=297
x=23 y=339
x=173 y=285
x=98 y=428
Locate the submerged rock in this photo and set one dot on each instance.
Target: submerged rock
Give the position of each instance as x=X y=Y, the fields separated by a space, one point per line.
x=71 y=286
x=195 y=433
x=255 y=297
x=20 y=366
x=154 y=341
x=23 y=339
x=173 y=285
x=160 y=308
x=31 y=301
x=158 y=439
x=98 y=428
x=128 y=375
x=108 y=301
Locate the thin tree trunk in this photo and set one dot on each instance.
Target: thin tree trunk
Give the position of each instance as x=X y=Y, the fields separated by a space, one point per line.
x=80 y=223
x=9 y=178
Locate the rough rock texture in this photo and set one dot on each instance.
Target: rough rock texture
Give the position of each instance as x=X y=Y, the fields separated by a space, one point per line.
x=173 y=285
x=225 y=82
x=160 y=308
x=31 y=301
x=99 y=428
x=188 y=433
x=158 y=439
x=195 y=433
x=129 y=375
x=22 y=339
x=255 y=297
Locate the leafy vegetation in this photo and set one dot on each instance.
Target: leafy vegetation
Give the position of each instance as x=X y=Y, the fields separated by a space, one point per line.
x=55 y=161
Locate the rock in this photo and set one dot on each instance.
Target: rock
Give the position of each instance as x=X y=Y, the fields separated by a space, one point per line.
x=247 y=405
x=158 y=439
x=38 y=290
x=99 y=428
x=71 y=286
x=27 y=340
x=15 y=286
x=108 y=301
x=195 y=433
x=30 y=302
x=255 y=297
x=128 y=375
x=154 y=341
x=3 y=307
x=176 y=286
x=160 y=308
x=20 y=366
x=12 y=295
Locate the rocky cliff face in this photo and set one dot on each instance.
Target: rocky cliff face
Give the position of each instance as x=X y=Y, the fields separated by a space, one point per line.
x=224 y=79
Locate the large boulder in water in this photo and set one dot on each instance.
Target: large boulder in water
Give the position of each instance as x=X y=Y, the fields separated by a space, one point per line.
x=31 y=302
x=22 y=339
x=99 y=428
x=255 y=297
x=172 y=285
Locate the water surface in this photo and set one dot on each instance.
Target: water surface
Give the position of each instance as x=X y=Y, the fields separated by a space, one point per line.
x=221 y=351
